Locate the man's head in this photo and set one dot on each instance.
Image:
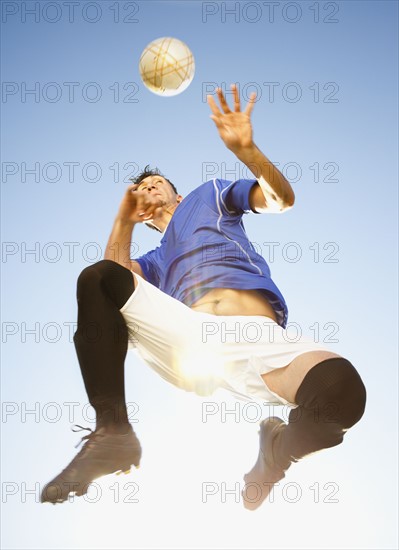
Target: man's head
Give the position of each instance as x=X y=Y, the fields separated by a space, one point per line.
x=153 y=182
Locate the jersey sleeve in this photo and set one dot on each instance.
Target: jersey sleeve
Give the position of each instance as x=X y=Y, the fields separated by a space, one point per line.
x=234 y=195
x=149 y=265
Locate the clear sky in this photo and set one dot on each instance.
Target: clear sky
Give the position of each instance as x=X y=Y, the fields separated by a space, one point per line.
x=76 y=123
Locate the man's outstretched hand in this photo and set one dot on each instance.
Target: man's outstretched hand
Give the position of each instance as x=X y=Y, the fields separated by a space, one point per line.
x=234 y=127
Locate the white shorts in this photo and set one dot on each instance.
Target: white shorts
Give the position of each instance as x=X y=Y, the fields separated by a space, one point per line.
x=201 y=352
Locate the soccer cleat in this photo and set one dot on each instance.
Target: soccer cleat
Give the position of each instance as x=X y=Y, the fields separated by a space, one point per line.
x=260 y=480
x=103 y=453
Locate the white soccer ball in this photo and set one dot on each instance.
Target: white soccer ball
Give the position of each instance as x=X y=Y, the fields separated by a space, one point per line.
x=167 y=66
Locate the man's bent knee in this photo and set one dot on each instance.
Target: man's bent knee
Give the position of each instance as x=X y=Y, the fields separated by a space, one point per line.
x=336 y=390
x=107 y=277
x=285 y=381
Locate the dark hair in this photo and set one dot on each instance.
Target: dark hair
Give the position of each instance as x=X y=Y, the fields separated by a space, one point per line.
x=151 y=172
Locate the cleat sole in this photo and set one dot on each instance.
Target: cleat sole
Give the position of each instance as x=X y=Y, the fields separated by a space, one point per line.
x=116 y=456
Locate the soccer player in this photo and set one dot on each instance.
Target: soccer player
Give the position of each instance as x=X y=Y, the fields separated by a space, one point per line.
x=203 y=311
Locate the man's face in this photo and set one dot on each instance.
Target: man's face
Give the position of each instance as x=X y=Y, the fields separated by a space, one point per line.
x=158 y=186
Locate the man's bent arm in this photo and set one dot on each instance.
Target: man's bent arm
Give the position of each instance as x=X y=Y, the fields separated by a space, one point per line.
x=274 y=193
x=119 y=244
x=136 y=207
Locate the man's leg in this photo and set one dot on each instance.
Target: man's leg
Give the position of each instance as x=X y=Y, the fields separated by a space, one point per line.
x=285 y=381
x=331 y=398
x=101 y=342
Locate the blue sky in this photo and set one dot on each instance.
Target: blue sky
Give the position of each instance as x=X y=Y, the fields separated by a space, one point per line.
x=331 y=126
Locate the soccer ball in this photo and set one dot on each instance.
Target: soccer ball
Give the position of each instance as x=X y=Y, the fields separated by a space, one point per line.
x=167 y=66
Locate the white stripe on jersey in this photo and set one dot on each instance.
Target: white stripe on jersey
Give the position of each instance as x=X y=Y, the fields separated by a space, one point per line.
x=218 y=198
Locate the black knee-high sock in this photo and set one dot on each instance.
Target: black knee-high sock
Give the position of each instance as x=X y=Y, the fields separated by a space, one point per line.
x=101 y=339
x=331 y=400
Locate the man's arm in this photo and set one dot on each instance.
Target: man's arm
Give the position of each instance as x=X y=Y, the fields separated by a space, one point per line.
x=273 y=192
x=119 y=245
x=136 y=207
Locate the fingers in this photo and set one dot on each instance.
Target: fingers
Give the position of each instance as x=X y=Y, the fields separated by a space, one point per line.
x=225 y=108
x=223 y=101
x=237 y=105
x=250 y=104
x=213 y=106
x=148 y=205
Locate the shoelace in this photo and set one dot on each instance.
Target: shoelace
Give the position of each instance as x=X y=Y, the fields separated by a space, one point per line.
x=88 y=436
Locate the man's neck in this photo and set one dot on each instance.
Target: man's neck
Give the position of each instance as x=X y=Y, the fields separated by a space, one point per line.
x=163 y=221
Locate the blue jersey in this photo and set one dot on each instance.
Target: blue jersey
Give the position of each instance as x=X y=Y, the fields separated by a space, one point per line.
x=205 y=246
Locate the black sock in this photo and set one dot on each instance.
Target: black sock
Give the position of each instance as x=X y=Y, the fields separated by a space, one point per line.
x=331 y=399
x=101 y=339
